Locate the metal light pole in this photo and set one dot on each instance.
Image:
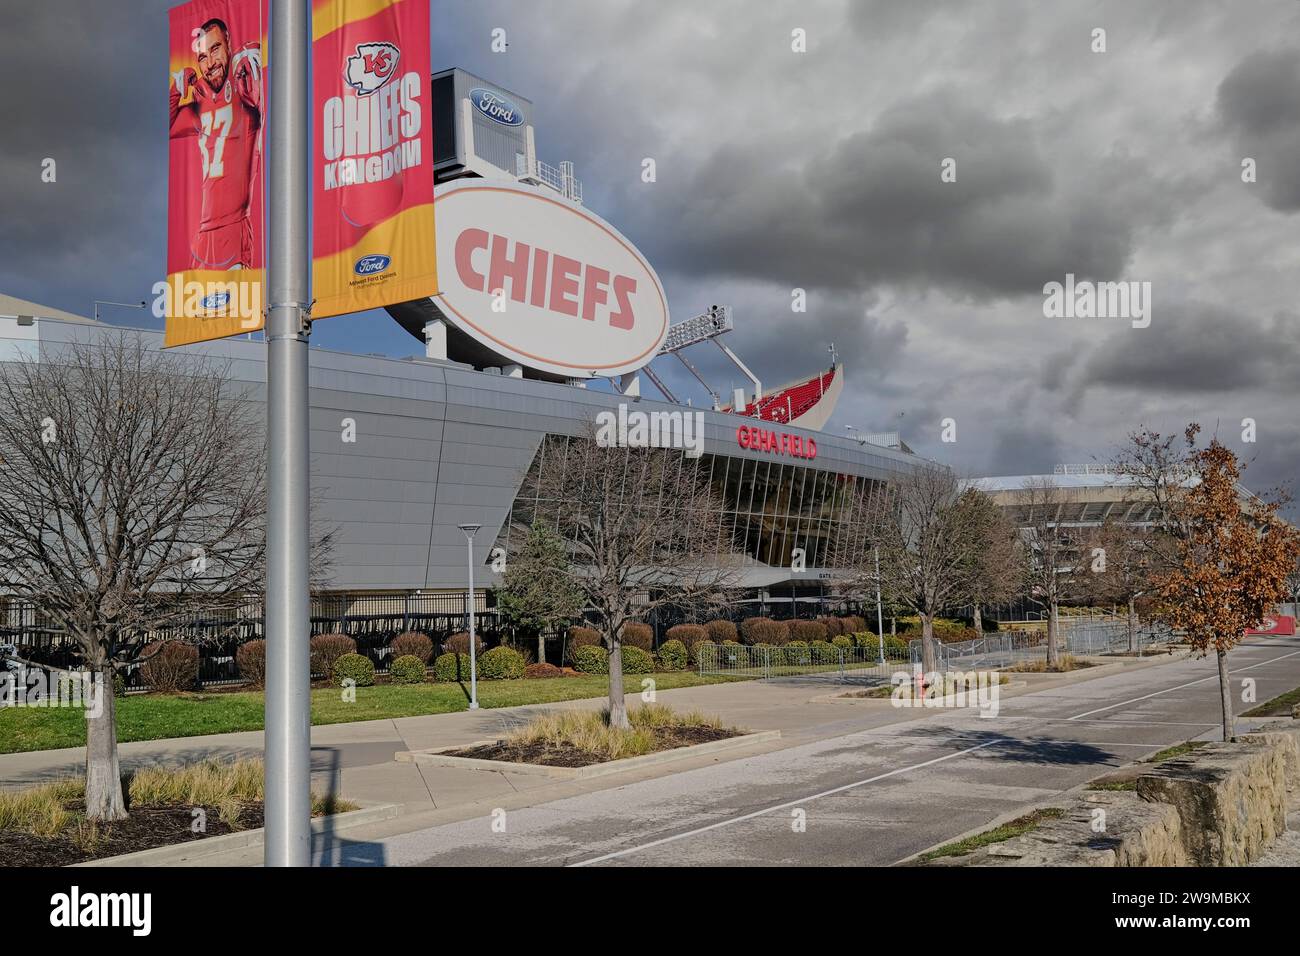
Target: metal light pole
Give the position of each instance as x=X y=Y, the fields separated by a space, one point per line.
x=880 y=619
x=288 y=670
x=470 y=530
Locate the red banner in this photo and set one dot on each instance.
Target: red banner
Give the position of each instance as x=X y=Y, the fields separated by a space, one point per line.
x=372 y=155
x=1277 y=625
x=217 y=111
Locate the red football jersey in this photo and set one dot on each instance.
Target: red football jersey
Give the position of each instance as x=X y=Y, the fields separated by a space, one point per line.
x=227 y=130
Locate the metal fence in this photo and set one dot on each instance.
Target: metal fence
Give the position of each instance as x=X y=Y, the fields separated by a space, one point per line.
x=843 y=664
x=372 y=620
x=1083 y=637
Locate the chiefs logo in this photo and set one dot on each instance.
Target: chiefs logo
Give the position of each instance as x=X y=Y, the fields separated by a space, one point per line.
x=373 y=66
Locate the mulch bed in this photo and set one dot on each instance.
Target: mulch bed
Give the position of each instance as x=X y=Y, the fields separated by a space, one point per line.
x=146 y=828
x=570 y=756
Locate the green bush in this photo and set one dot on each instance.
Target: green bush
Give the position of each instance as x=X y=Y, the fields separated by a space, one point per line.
x=354 y=666
x=581 y=637
x=407 y=669
x=764 y=630
x=673 y=654
x=720 y=631
x=326 y=649
x=119 y=684
x=824 y=652
x=636 y=634
x=637 y=661
x=808 y=631
x=451 y=667
x=591 y=659
x=502 y=663
x=842 y=641
x=896 y=648
x=866 y=639
x=797 y=653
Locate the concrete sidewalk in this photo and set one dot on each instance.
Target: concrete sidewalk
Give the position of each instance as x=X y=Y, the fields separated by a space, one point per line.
x=355 y=760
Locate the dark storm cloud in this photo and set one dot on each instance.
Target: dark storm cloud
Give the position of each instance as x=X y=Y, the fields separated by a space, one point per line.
x=1259 y=102
x=1197 y=348
x=872 y=208
x=74 y=91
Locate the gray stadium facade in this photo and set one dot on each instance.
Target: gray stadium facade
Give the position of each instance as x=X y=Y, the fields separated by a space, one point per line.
x=439 y=444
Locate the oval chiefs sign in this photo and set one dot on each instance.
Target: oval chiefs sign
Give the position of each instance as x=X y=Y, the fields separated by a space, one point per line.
x=544 y=282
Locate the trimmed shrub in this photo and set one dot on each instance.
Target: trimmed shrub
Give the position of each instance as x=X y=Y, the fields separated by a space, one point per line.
x=407 y=669
x=542 y=670
x=458 y=643
x=824 y=652
x=636 y=634
x=119 y=684
x=328 y=648
x=414 y=644
x=451 y=667
x=250 y=661
x=581 y=637
x=896 y=648
x=797 y=652
x=673 y=655
x=834 y=626
x=591 y=659
x=808 y=631
x=865 y=639
x=720 y=632
x=853 y=624
x=688 y=635
x=170 y=666
x=355 y=666
x=502 y=663
x=764 y=630
x=842 y=641
x=637 y=661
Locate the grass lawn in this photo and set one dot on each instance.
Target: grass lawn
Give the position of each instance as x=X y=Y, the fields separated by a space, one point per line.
x=1000 y=834
x=158 y=716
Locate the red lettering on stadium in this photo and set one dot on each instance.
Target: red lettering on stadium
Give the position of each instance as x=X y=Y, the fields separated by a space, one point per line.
x=544 y=279
x=776 y=443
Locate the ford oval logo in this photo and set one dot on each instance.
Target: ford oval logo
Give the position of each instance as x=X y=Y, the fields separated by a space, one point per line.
x=497 y=108
x=371 y=265
x=217 y=300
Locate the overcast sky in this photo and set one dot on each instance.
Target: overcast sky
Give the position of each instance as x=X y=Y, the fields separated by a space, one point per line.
x=820 y=170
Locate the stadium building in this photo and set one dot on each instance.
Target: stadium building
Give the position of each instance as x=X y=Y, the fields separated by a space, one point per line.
x=445 y=438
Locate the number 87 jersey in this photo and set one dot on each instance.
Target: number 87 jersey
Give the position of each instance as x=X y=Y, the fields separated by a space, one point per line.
x=227 y=124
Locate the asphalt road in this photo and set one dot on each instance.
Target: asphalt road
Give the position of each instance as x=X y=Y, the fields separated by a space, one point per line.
x=870 y=797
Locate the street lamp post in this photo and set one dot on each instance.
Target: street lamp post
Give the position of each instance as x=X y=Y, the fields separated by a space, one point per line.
x=470 y=530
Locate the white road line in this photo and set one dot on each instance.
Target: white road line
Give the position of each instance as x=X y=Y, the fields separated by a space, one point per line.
x=1169 y=690
x=785 y=806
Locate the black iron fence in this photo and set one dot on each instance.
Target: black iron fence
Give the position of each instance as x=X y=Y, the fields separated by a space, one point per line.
x=372 y=620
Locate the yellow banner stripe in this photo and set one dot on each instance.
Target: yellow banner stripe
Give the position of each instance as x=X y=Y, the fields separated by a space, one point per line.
x=331 y=15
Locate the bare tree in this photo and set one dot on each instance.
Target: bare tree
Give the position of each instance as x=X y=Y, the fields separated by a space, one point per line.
x=1119 y=568
x=644 y=532
x=928 y=534
x=998 y=574
x=131 y=498
x=1052 y=553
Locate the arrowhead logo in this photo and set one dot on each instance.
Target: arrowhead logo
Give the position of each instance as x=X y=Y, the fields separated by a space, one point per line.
x=373 y=65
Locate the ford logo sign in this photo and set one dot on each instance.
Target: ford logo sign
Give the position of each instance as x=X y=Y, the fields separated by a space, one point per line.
x=497 y=108
x=217 y=300
x=371 y=265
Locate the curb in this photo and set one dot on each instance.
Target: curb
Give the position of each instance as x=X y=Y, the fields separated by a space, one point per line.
x=196 y=849
x=440 y=757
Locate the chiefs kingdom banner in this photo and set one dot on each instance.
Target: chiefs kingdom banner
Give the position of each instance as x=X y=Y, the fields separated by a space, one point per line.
x=372 y=155
x=217 y=113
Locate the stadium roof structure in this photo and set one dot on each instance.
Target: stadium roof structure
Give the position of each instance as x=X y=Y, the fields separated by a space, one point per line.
x=16 y=307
